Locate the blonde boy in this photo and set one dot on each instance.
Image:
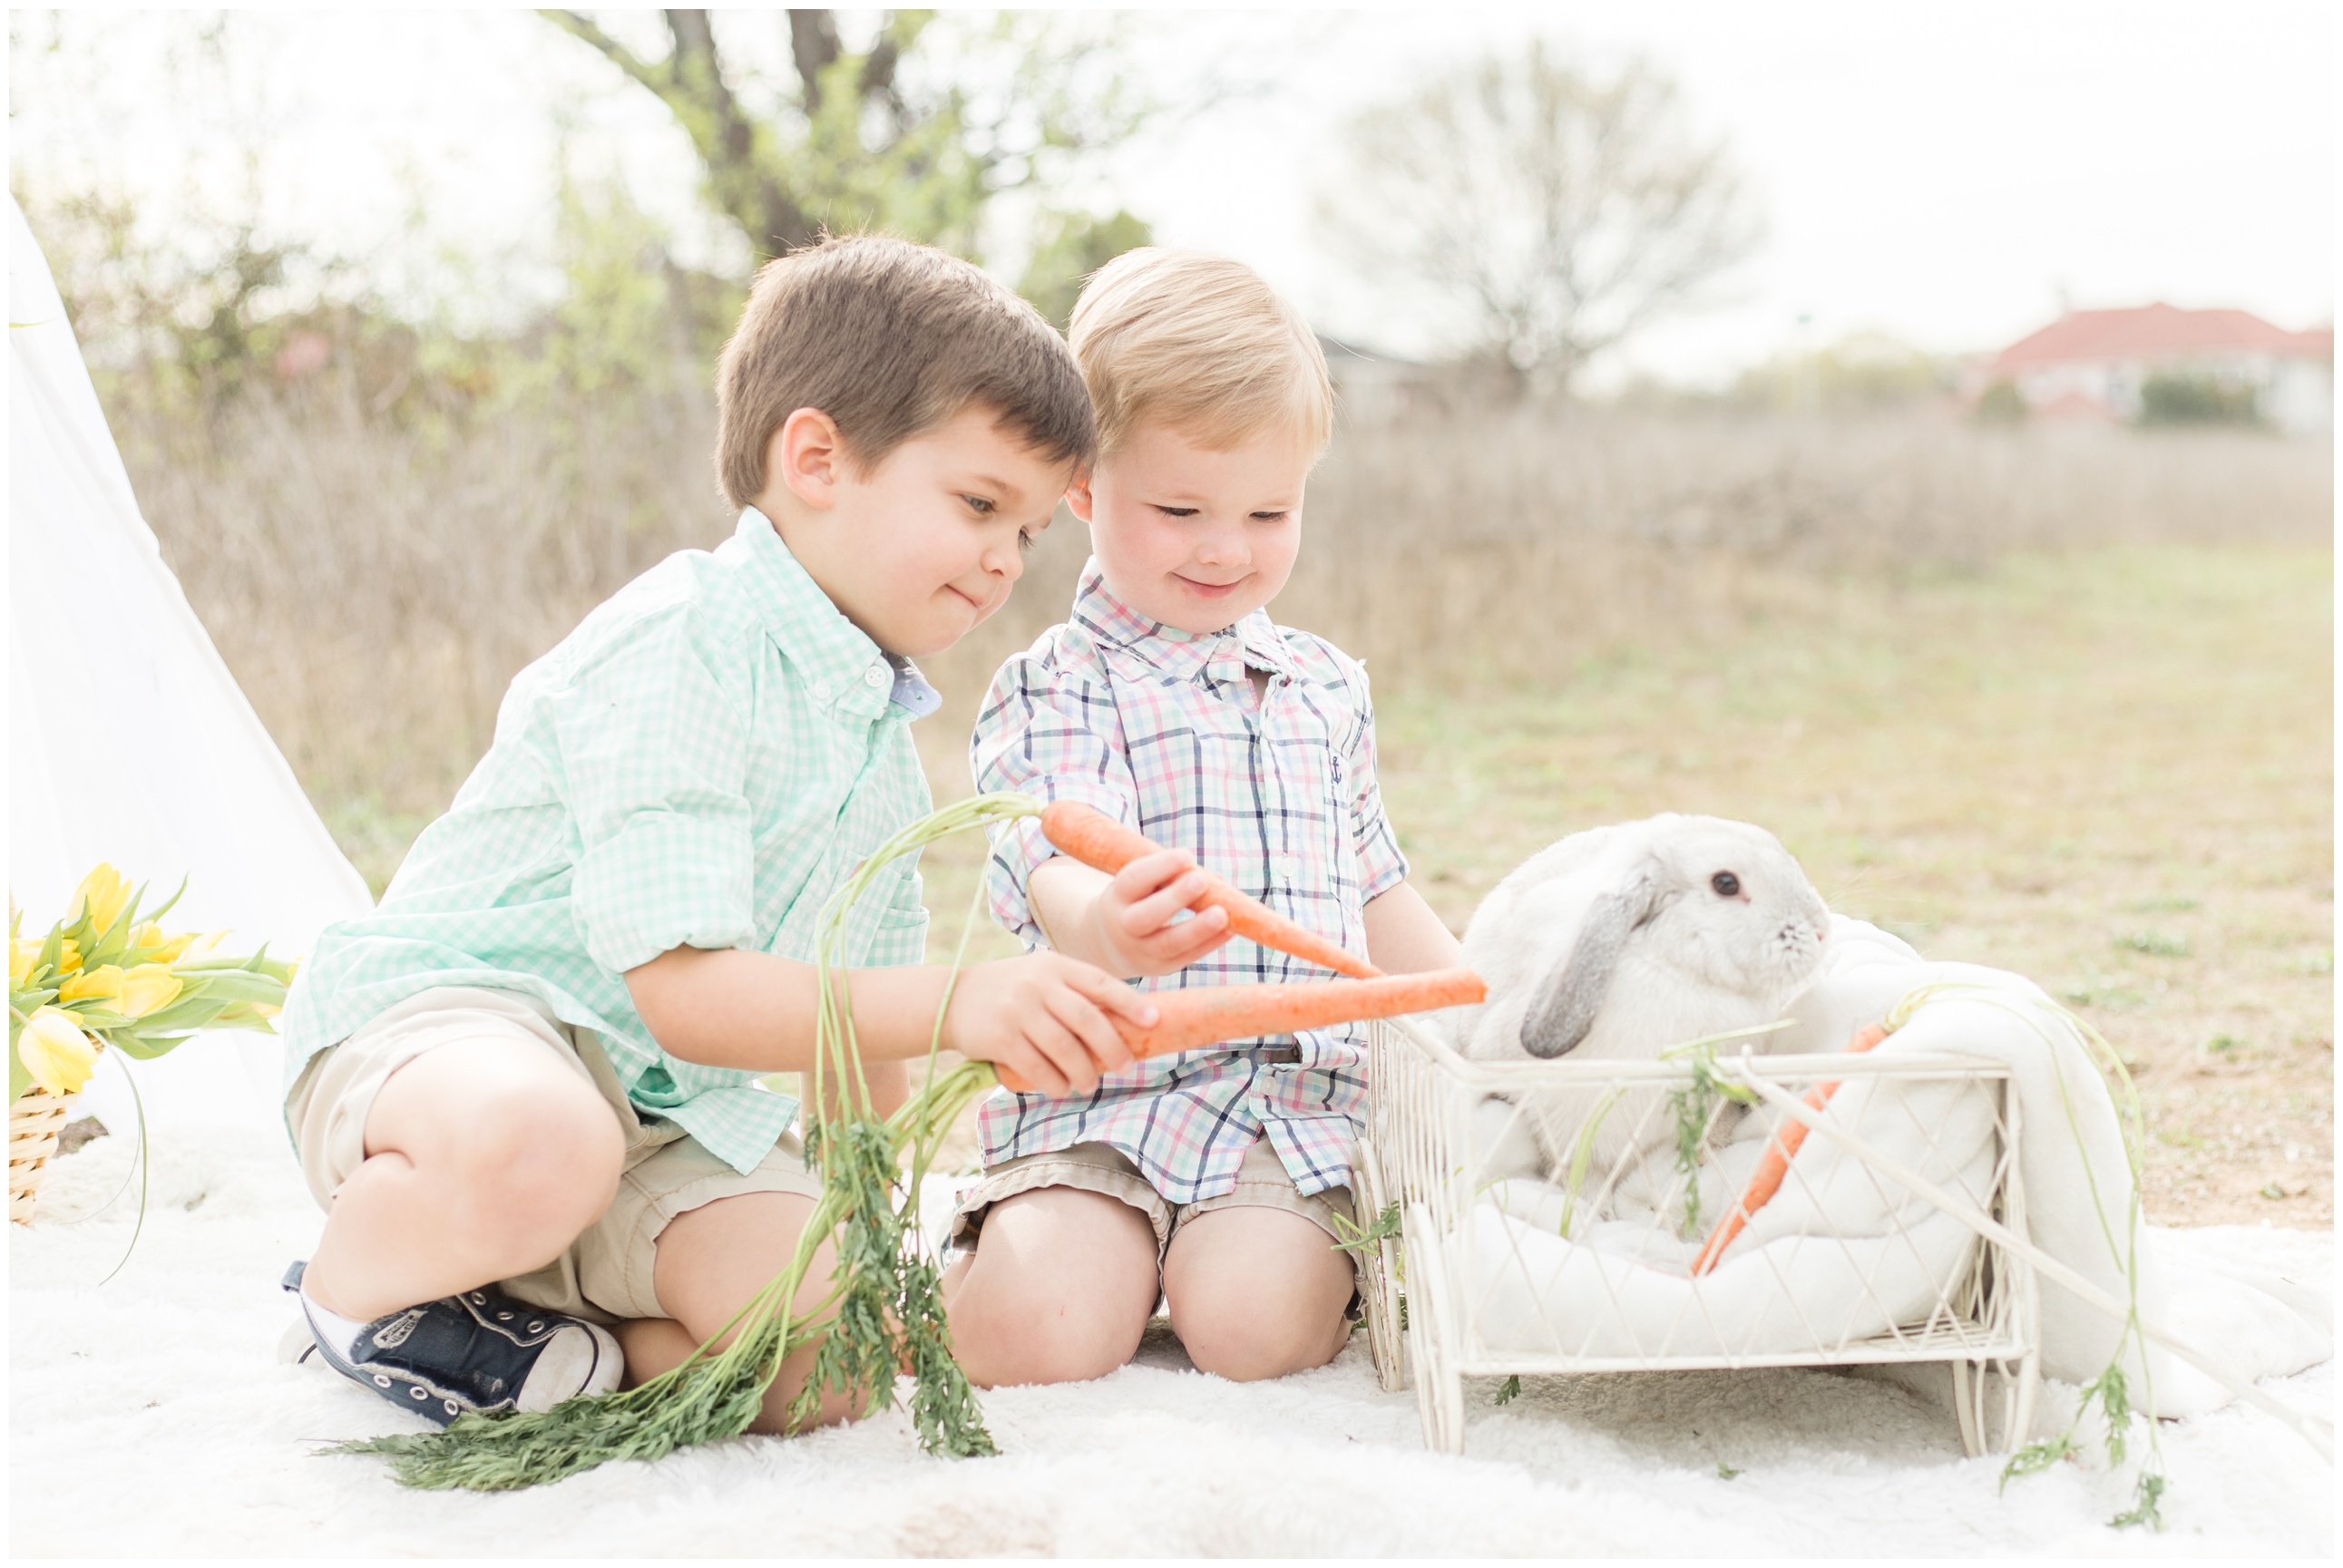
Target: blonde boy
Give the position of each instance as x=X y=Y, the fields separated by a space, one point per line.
x=1170 y=701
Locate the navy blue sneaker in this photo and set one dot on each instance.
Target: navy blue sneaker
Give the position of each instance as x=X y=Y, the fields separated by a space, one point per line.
x=476 y=1351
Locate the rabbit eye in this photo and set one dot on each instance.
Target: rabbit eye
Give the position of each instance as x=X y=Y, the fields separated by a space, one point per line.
x=1726 y=884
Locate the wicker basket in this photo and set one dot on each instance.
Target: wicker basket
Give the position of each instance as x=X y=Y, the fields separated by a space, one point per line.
x=1477 y=1305
x=34 y=1124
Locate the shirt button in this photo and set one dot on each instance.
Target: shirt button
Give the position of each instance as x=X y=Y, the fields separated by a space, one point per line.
x=874 y=675
x=821 y=690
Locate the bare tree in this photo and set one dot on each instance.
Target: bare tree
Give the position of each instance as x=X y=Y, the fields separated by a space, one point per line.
x=1565 y=211
x=854 y=143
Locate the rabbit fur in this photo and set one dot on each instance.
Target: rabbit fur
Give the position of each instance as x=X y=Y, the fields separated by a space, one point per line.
x=1620 y=941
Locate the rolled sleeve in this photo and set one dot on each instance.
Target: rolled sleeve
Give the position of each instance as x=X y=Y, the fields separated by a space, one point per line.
x=673 y=877
x=655 y=755
x=1052 y=739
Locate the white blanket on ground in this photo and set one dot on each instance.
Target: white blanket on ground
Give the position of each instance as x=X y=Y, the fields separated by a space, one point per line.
x=148 y=1418
x=1842 y=1253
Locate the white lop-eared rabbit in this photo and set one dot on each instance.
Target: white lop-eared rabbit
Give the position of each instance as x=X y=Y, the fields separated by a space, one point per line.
x=1618 y=942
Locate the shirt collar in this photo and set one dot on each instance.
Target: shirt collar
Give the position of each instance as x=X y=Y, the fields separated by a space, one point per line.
x=843 y=671
x=1218 y=656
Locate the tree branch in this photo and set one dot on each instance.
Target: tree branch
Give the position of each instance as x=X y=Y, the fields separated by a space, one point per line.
x=579 y=25
x=814 y=48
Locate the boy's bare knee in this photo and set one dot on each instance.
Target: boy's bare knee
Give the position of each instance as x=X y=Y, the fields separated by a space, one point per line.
x=1012 y=1337
x=1014 y=1325
x=536 y=1165
x=1257 y=1294
x=1231 y=1336
x=1060 y=1290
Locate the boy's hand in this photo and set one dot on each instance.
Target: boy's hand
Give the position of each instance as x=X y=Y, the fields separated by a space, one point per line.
x=1131 y=919
x=1046 y=1017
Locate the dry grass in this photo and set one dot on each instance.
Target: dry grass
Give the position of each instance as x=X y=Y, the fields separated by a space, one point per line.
x=2053 y=698
x=375 y=585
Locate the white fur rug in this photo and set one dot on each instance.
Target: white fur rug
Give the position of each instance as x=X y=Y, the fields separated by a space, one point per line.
x=149 y=1416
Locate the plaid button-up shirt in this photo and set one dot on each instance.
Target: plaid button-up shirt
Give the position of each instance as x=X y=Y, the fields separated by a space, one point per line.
x=1159 y=729
x=699 y=763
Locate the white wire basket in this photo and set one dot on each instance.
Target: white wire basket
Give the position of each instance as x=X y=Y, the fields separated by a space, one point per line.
x=1629 y=1251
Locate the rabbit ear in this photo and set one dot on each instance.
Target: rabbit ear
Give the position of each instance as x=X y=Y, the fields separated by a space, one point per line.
x=1566 y=1006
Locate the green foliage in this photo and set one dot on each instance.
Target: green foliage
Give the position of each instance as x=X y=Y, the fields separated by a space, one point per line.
x=1695 y=1106
x=2148 y=1505
x=189 y=331
x=210 y=311
x=1725 y=1472
x=2176 y=397
x=619 y=321
x=2001 y=404
x=1508 y=1391
x=912 y=135
x=1072 y=246
x=1861 y=372
x=2156 y=944
x=2037 y=1457
x=1355 y=1240
x=918 y=177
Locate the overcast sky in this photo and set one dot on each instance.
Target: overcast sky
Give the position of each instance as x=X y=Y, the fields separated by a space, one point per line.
x=1946 y=173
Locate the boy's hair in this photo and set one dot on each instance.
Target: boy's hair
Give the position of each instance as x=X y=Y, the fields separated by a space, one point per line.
x=1200 y=343
x=890 y=339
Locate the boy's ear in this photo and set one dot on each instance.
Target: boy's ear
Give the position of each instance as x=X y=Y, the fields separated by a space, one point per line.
x=1078 y=496
x=808 y=454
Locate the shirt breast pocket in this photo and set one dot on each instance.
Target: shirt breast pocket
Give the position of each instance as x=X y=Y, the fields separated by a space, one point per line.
x=902 y=937
x=1311 y=815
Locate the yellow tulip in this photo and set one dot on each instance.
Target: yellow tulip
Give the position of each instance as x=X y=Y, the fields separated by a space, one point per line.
x=103 y=983
x=149 y=988
x=170 y=948
x=205 y=946
x=23 y=953
x=101 y=896
x=55 y=1050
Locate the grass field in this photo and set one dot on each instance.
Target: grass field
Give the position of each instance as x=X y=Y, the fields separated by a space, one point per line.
x=2111 y=770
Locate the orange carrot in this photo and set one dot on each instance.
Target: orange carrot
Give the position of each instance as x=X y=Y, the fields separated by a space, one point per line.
x=1099 y=841
x=1207 y=1015
x=1774 y=1164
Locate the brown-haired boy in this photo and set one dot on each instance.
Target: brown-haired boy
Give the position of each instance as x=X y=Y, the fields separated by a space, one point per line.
x=526 y=1088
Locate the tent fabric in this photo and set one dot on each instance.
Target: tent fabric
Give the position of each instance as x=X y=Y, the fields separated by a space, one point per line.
x=128 y=739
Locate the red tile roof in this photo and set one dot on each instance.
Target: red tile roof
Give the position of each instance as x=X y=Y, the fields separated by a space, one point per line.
x=2159 y=332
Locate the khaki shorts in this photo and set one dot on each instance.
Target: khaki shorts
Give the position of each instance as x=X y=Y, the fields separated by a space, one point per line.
x=605 y=1276
x=1261 y=1183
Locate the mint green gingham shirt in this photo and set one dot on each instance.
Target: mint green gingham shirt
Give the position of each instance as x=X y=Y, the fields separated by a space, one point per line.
x=699 y=763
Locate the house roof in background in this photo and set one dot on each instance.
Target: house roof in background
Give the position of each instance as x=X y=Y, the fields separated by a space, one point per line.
x=2159 y=331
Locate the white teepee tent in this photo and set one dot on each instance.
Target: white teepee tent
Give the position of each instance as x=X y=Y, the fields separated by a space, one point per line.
x=128 y=739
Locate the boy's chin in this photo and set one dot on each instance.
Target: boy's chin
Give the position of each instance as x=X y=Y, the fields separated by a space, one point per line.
x=936 y=631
